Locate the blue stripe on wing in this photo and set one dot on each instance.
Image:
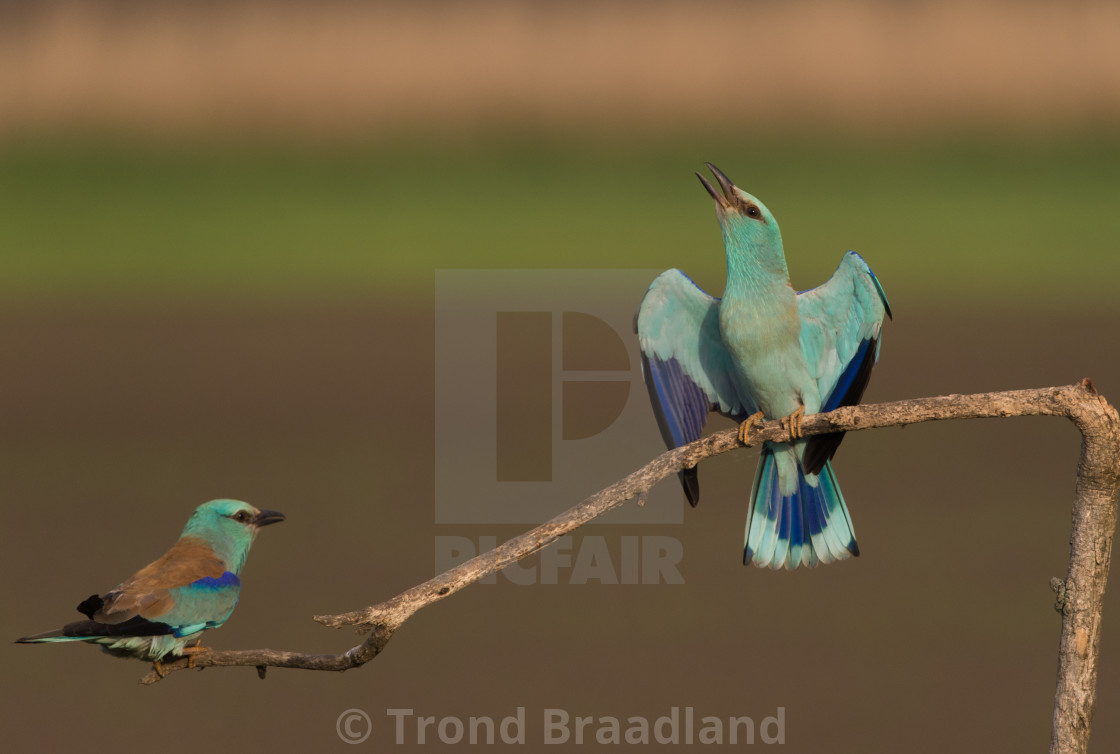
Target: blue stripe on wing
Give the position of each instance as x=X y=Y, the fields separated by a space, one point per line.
x=848 y=392
x=227 y=579
x=841 y=323
x=680 y=407
x=687 y=369
x=878 y=286
x=853 y=380
x=679 y=404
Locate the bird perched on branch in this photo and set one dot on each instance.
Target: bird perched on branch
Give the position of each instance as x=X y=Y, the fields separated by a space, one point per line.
x=168 y=603
x=764 y=351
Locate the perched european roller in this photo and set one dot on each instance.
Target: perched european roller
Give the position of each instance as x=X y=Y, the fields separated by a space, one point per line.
x=170 y=602
x=764 y=351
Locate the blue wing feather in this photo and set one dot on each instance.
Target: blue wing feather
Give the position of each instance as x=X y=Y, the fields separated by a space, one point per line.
x=678 y=403
x=687 y=369
x=841 y=325
x=851 y=380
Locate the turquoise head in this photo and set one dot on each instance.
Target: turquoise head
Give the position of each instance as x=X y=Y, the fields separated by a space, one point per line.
x=750 y=233
x=229 y=527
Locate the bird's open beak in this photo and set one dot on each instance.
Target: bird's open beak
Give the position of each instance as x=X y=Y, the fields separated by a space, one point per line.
x=264 y=518
x=724 y=201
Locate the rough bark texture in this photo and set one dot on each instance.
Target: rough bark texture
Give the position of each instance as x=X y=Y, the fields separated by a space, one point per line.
x=1080 y=594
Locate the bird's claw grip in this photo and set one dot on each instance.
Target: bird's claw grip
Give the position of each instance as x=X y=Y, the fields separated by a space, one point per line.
x=748 y=424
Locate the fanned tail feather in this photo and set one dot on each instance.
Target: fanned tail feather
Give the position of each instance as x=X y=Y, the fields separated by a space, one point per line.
x=810 y=526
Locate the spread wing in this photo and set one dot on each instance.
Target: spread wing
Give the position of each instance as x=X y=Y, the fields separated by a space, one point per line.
x=841 y=326
x=686 y=367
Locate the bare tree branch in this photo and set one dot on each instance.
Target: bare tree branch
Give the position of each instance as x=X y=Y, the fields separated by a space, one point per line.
x=1080 y=594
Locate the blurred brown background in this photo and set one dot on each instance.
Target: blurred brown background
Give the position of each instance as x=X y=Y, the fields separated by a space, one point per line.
x=219 y=225
x=346 y=68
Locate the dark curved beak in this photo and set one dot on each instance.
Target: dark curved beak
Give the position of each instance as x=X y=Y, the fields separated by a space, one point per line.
x=264 y=518
x=725 y=200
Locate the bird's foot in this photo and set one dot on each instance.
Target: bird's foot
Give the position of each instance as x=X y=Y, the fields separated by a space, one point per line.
x=190 y=652
x=158 y=667
x=793 y=423
x=748 y=424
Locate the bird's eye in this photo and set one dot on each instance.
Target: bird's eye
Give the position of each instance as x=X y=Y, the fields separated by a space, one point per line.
x=752 y=211
x=241 y=517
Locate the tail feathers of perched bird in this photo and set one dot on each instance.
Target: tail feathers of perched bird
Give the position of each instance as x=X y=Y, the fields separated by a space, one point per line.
x=809 y=526
x=193 y=587
x=134 y=637
x=84 y=630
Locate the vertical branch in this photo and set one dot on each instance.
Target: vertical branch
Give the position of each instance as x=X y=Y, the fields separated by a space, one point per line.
x=1081 y=595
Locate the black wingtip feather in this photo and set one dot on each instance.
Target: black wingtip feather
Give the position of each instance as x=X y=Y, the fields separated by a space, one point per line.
x=91 y=605
x=690 y=480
